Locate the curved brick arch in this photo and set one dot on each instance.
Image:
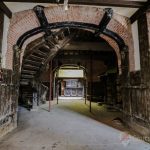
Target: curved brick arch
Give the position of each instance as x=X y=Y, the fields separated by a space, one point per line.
x=114 y=45
x=26 y=20
x=37 y=40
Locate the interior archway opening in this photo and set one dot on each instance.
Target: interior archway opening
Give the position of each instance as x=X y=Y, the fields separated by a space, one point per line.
x=82 y=67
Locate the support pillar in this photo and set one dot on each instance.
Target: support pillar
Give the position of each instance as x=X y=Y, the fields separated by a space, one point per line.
x=50 y=86
x=136 y=94
x=86 y=90
x=57 y=92
x=91 y=81
x=15 y=81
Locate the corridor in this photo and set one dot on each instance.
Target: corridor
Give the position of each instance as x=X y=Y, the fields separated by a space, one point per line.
x=74 y=75
x=69 y=126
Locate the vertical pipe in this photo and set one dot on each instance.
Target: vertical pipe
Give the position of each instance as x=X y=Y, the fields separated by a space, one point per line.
x=86 y=81
x=54 y=86
x=50 y=86
x=57 y=90
x=91 y=80
x=105 y=101
x=85 y=90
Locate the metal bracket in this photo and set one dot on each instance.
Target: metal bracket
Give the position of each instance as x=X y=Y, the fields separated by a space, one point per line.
x=117 y=38
x=39 y=11
x=105 y=20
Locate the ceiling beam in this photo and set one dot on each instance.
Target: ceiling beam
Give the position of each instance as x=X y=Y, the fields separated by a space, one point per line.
x=115 y=3
x=97 y=46
x=140 y=12
x=5 y=10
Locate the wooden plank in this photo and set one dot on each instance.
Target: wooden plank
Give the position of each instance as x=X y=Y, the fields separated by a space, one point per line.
x=32 y=62
x=140 y=12
x=116 y=3
x=26 y=76
x=42 y=54
x=28 y=71
x=36 y=58
x=30 y=67
x=5 y=10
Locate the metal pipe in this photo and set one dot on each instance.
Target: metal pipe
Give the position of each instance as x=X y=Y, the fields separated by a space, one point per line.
x=57 y=90
x=50 y=86
x=85 y=90
x=91 y=81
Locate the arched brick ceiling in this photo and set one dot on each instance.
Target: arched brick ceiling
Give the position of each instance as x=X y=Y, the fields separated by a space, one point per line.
x=26 y=20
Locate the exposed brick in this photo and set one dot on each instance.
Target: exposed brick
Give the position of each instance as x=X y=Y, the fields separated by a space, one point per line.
x=23 y=21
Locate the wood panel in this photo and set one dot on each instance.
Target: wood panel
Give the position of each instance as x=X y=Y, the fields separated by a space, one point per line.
x=1 y=32
x=8 y=103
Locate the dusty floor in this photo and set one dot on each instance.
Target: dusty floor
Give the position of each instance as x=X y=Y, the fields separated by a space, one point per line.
x=69 y=126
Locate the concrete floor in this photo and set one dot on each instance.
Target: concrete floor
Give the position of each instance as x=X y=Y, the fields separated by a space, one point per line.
x=69 y=126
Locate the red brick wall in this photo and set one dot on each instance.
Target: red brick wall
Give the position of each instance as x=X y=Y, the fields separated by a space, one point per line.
x=21 y=22
x=114 y=45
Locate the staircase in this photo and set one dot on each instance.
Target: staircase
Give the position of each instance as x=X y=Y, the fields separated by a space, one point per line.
x=38 y=56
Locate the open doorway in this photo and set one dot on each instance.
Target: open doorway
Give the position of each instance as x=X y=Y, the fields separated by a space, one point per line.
x=69 y=82
x=85 y=67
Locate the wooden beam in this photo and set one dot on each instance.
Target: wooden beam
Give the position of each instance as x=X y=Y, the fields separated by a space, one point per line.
x=28 y=71
x=96 y=46
x=1 y=32
x=115 y=3
x=31 y=67
x=140 y=12
x=5 y=10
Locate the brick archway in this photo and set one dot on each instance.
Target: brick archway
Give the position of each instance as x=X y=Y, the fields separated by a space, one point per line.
x=27 y=20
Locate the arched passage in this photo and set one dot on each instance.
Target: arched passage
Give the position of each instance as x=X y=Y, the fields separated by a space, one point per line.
x=40 y=35
x=35 y=57
x=118 y=24
x=54 y=34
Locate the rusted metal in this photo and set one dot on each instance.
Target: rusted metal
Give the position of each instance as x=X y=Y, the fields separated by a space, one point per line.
x=50 y=86
x=91 y=81
x=78 y=25
x=39 y=11
x=115 y=37
x=57 y=96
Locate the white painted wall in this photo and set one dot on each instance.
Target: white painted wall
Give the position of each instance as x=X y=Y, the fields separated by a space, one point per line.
x=4 y=41
x=136 y=46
